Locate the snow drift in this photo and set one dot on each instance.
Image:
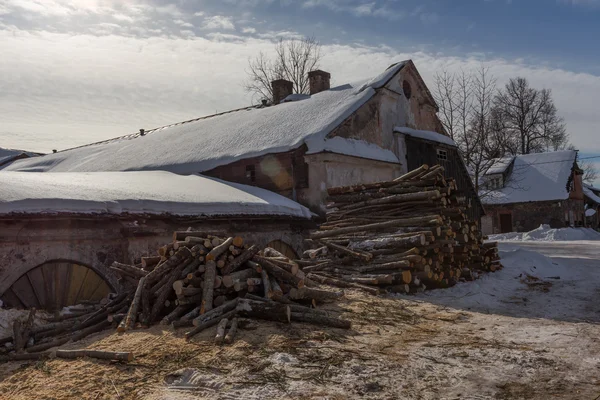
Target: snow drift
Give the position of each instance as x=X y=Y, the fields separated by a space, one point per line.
x=546 y=234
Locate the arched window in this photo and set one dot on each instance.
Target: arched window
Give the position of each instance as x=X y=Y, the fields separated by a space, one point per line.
x=54 y=285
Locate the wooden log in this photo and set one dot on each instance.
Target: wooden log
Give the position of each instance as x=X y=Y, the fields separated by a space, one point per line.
x=312 y=254
x=267 y=311
x=149 y=262
x=268 y=291
x=98 y=354
x=178 y=312
x=363 y=255
x=219 y=249
x=237 y=262
x=164 y=251
x=388 y=242
x=279 y=272
x=164 y=293
x=215 y=312
x=416 y=221
x=45 y=346
x=27 y=356
x=255 y=266
x=396 y=199
x=168 y=265
x=207 y=324
x=314 y=294
x=220 y=336
x=100 y=326
x=410 y=175
x=230 y=337
x=129 y=321
x=321 y=320
x=18 y=335
x=276 y=290
x=209 y=284
x=25 y=331
x=386 y=266
x=342 y=284
x=240 y=285
x=229 y=280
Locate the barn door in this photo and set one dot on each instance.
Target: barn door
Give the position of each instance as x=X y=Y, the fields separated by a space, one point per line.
x=505 y=223
x=54 y=285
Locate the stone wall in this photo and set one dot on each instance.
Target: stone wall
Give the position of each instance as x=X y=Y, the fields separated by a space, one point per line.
x=95 y=243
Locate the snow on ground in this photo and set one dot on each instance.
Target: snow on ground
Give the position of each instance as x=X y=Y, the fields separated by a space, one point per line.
x=546 y=234
x=144 y=192
x=533 y=285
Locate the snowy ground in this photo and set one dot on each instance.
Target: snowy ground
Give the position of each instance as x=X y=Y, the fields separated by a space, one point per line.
x=546 y=234
x=519 y=333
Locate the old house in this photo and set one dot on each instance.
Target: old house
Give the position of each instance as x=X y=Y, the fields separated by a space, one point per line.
x=592 y=206
x=76 y=211
x=298 y=147
x=522 y=192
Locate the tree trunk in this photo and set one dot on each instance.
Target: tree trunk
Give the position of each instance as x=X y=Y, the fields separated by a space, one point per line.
x=207 y=324
x=314 y=294
x=129 y=321
x=278 y=272
x=208 y=289
x=416 y=221
x=218 y=250
x=321 y=320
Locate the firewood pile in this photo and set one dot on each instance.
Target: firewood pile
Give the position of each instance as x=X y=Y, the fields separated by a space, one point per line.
x=196 y=282
x=401 y=236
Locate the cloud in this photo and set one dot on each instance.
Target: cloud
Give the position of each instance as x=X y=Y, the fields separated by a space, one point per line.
x=585 y=3
x=358 y=8
x=218 y=22
x=120 y=84
x=248 y=30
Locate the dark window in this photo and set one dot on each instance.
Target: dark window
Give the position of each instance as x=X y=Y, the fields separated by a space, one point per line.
x=442 y=155
x=406 y=89
x=251 y=173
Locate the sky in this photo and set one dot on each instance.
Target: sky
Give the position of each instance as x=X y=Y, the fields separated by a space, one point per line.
x=77 y=71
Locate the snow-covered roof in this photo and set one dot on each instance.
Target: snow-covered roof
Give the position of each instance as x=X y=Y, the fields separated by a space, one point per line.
x=7 y=155
x=589 y=193
x=500 y=165
x=590 y=212
x=138 y=192
x=427 y=135
x=535 y=177
x=205 y=143
x=355 y=148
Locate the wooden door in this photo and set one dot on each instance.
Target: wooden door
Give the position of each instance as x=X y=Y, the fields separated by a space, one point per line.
x=505 y=223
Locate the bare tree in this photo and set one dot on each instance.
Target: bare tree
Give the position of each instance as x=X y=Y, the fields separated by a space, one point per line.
x=445 y=97
x=590 y=172
x=528 y=119
x=292 y=61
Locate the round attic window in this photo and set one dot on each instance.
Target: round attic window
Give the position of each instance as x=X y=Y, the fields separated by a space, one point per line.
x=406 y=89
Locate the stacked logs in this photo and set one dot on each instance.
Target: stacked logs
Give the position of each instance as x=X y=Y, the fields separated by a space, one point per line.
x=30 y=342
x=400 y=236
x=196 y=282
x=200 y=281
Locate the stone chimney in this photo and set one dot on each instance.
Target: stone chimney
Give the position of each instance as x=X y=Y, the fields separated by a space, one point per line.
x=281 y=90
x=318 y=80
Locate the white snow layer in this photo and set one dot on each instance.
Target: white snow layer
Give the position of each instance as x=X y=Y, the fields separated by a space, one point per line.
x=546 y=234
x=590 y=212
x=9 y=154
x=203 y=144
x=590 y=194
x=427 y=135
x=508 y=292
x=356 y=148
x=535 y=177
x=148 y=192
x=500 y=165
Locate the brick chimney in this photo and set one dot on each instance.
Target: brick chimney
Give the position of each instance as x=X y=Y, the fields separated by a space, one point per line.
x=281 y=89
x=318 y=81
